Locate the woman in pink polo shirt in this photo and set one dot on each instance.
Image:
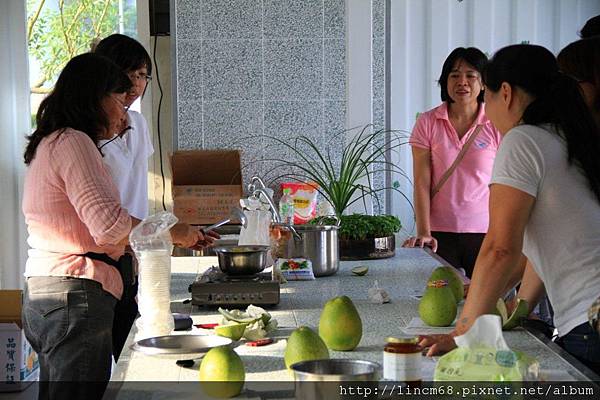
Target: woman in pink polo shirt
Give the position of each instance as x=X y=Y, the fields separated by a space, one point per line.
x=452 y=206
x=74 y=215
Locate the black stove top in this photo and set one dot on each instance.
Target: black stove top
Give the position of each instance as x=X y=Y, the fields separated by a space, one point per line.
x=213 y=287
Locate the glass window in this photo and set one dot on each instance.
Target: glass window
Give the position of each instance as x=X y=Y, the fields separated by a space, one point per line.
x=58 y=30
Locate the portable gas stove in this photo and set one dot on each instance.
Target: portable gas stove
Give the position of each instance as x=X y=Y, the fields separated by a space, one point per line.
x=214 y=288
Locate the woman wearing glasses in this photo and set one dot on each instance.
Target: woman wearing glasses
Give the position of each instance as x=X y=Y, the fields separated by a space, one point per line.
x=126 y=157
x=126 y=154
x=72 y=208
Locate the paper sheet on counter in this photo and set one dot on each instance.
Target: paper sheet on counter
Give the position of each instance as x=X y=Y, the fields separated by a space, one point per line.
x=416 y=326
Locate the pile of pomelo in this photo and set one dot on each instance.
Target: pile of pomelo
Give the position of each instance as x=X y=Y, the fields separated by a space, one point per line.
x=445 y=289
x=340 y=328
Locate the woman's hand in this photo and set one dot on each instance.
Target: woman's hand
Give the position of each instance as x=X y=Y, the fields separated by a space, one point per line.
x=437 y=344
x=207 y=238
x=184 y=235
x=421 y=241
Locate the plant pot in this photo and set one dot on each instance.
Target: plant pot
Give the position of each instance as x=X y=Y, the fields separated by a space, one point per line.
x=367 y=249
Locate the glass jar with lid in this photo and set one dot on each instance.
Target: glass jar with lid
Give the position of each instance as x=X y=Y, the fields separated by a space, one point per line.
x=402 y=359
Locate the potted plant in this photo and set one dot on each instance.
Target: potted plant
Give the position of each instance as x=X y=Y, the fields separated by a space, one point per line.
x=365 y=236
x=346 y=181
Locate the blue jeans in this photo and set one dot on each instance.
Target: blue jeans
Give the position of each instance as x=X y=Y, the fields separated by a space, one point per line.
x=68 y=322
x=583 y=343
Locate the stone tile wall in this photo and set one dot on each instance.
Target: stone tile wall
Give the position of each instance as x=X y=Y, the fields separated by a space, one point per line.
x=249 y=70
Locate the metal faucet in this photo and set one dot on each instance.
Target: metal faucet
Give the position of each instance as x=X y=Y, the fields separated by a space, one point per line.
x=276 y=216
x=261 y=191
x=252 y=184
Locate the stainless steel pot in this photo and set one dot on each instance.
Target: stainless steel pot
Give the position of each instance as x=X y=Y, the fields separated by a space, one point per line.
x=317 y=243
x=336 y=370
x=313 y=378
x=242 y=260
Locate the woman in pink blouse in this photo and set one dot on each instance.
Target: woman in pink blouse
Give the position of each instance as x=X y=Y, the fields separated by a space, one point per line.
x=72 y=208
x=452 y=207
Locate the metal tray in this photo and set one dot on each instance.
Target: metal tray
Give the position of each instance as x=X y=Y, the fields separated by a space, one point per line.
x=179 y=346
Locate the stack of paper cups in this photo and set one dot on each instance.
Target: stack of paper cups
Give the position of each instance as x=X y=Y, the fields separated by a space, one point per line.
x=154 y=300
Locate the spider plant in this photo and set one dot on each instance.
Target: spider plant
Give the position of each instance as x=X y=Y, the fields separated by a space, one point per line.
x=342 y=182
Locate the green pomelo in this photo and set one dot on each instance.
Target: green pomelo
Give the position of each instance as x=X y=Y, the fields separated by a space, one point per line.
x=222 y=373
x=438 y=304
x=340 y=325
x=450 y=274
x=304 y=345
x=521 y=311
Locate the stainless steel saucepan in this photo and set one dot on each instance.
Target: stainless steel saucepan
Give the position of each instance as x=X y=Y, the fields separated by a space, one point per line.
x=242 y=260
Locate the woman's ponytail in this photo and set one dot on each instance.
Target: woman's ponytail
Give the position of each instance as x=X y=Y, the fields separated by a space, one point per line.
x=563 y=106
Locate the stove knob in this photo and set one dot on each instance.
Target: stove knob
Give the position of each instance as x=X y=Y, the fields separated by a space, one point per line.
x=217 y=297
x=252 y=296
x=243 y=296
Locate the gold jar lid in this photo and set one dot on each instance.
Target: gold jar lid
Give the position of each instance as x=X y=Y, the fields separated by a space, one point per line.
x=405 y=339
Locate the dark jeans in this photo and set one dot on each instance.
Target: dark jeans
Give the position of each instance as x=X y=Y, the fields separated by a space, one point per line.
x=68 y=322
x=126 y=312
x=583 y=343
x=459 y=249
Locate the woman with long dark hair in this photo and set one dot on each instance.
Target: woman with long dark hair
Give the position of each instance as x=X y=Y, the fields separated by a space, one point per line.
x=453 y=147
x=73 y=215
x=544 y=197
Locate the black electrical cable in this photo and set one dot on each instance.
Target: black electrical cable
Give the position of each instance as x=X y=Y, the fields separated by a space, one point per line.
x=162 y=171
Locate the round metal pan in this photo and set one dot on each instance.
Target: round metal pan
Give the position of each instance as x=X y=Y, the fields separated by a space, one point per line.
x=179 y=346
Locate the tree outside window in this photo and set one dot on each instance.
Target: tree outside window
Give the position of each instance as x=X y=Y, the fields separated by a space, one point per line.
x=58 y=30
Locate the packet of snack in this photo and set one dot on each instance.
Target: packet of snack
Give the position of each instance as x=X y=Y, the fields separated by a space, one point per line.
x=305 y=200
x=295 y=269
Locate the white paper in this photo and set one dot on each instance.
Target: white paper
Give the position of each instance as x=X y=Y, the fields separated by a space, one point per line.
x=416 y=326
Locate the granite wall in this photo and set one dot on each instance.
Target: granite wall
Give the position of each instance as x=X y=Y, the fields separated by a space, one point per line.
x=252 y=72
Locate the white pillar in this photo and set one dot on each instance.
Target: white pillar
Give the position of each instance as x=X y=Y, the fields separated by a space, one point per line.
x=14 y=125
x=359 y=56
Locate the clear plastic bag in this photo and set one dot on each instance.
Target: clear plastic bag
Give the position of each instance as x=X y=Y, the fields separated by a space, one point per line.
x=151 y=242
x=258 y=217
x=256 y=233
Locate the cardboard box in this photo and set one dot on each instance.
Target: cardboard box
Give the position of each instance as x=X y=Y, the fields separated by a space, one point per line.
x=18 y=362
x=206 y=184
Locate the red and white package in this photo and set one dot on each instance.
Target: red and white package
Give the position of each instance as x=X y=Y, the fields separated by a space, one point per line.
x=305 y=200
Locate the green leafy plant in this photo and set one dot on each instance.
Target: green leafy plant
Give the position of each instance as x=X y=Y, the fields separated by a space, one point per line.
x=58 y=30
x=342 y=182
x=360 y=227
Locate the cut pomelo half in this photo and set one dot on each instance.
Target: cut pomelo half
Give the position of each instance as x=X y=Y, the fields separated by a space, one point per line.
x=360 y=270
x=233 y=331
x=521 y=311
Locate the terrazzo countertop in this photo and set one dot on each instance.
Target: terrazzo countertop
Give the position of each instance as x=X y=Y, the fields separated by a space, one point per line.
x=403 y=277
